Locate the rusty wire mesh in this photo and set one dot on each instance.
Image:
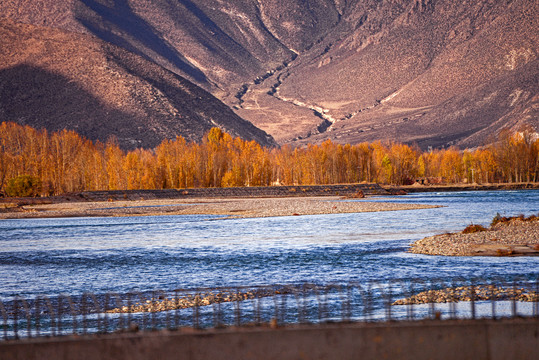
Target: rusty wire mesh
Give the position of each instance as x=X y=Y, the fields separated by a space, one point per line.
x=274 y=305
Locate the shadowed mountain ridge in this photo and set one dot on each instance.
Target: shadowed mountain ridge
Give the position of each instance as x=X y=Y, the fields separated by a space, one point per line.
x=56 y=79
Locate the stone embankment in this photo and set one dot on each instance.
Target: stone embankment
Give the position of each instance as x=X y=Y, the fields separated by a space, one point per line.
x=231 y=192
x=511 y=238
x=467 y=293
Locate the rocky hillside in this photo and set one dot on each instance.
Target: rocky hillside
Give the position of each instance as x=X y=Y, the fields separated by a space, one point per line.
x=434 y=72
x=57 y=79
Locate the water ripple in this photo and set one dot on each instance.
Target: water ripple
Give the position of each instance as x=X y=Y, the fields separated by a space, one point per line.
x=72 y=255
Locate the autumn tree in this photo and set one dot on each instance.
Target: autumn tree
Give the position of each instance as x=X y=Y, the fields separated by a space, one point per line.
x=64 y=161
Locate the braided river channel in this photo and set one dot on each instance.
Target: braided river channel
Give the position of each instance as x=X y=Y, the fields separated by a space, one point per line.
x=122 y=254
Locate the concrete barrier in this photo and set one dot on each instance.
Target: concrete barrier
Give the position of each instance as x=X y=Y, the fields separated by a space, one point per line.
x=463 y=339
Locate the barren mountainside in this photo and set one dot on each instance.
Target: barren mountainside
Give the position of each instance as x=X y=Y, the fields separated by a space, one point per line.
x=433 y=72
x=56 y=79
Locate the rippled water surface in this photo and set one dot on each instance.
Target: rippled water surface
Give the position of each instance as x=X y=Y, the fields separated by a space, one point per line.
x=74 y=255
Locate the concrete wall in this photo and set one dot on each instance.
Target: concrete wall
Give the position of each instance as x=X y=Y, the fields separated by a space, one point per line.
x=479 y=339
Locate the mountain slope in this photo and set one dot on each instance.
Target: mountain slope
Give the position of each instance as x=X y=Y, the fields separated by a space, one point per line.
x=400 y=82
x=56 y=79
x=435 y=72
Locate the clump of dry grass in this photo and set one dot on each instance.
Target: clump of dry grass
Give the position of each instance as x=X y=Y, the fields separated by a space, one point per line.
x=503 y=252
x=470 y=229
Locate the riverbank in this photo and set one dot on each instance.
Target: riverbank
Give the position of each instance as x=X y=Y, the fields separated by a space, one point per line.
x=512 y=238
x=460 y=187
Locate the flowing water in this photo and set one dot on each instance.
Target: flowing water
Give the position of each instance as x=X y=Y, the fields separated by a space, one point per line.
x=75 y=255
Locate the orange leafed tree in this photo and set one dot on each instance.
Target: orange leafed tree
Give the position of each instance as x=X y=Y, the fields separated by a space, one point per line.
x=66 y=162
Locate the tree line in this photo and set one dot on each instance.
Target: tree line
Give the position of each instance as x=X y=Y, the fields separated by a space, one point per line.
x=43 y=163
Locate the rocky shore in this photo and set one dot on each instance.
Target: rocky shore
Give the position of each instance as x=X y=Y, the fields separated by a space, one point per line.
x=511 y=238
x=462 y=187
x=467 y=293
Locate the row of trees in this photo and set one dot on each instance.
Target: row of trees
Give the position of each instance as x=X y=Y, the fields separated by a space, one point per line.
x=65 y=162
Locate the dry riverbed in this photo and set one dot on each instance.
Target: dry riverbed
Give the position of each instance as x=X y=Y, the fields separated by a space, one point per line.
x=236 y=207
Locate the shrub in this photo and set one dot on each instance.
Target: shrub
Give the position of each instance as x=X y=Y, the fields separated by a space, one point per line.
x=23 y=186
x=470 y=229
x=502 y=219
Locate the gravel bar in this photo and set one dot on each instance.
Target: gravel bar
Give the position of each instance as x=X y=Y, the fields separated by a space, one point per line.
x=229 y=207
x=515 y=238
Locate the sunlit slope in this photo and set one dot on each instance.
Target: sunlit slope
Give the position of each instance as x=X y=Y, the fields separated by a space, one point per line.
x=440 y=73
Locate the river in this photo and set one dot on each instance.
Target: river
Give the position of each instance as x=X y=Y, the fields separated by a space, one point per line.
x=122 y=254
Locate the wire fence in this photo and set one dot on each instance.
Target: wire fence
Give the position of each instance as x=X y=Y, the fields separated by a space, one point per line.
x=275 y=305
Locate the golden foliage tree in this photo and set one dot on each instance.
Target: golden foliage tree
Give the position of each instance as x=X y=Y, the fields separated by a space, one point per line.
x=65 y=162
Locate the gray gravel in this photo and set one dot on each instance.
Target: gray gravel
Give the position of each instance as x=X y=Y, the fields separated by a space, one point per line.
x=510 y=239
x=237 y=207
